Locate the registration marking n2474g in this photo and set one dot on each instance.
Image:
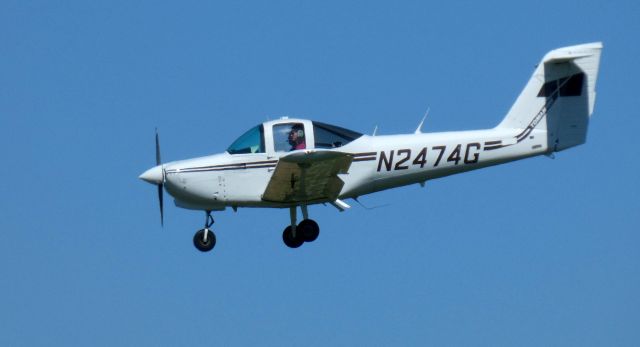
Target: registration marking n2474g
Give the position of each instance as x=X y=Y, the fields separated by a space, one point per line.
x=400 y=159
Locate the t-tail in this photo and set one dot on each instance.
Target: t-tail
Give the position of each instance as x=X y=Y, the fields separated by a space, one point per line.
x=559 y=98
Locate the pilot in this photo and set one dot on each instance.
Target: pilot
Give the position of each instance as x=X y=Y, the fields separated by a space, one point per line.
x=296 y=137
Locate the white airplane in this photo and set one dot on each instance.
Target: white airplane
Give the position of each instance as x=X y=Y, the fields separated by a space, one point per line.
x=291 y=163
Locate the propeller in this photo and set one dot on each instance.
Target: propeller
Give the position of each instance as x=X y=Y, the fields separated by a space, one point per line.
x=161 y=184
x=156 y=176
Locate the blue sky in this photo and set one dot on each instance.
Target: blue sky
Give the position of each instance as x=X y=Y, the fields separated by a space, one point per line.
x=537 y=252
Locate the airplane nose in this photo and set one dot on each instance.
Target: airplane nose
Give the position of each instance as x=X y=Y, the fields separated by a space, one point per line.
x=153 y=175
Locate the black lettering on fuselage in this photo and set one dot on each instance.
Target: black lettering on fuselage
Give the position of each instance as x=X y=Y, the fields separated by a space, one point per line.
x=455 y=155
x=403 y=160
x=387 y=163
x=471 y=156
x=441 y=149
x=421 y=158
x=476 y=155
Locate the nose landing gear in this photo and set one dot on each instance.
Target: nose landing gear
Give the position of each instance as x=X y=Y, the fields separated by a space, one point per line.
x=205 y=239
x=307 y=231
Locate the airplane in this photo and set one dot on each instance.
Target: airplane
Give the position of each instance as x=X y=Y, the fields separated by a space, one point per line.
x=294 y=163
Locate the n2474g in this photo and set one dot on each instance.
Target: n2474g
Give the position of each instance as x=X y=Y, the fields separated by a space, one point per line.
x=402 y=157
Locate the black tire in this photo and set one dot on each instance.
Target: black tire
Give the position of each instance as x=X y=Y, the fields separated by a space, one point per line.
x=198 y=240
x=289 y=240
x=309 y=230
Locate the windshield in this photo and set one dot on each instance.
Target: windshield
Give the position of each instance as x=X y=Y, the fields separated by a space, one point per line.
x=331 y=136
x=250 y=142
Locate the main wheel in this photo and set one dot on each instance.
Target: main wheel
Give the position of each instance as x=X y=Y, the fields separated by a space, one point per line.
x=201 y=245
x=289 y=240
x=309 y=230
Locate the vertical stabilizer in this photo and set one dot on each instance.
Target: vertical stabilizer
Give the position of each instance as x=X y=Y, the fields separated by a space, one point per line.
x=559 y=97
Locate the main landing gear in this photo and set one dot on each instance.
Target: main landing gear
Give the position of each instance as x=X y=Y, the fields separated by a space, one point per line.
x=205 y=239
x=293 y=235
x=307 y=231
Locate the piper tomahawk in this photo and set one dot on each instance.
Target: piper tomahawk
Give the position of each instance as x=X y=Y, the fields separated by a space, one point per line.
x=294 y=163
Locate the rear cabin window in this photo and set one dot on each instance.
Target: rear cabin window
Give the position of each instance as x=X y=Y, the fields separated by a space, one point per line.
x=331 y=136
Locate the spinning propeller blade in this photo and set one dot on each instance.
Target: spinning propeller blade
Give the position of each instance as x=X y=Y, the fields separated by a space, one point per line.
x=160 y=198
x=161 y=184
x=158 y=161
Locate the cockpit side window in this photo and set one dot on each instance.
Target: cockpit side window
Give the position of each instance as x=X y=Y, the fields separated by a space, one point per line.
x=250 y=142
x=331 y=136
x=289 y=137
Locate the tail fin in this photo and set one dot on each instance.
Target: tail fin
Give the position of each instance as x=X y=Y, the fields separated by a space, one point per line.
x=559 y=97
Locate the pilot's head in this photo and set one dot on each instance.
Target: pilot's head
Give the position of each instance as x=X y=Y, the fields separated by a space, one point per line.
x=296 y=135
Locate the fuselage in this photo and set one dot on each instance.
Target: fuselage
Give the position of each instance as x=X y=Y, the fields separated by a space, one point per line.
x=378 y=162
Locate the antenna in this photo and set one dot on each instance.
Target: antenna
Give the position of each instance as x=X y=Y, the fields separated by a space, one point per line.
x=419 y=129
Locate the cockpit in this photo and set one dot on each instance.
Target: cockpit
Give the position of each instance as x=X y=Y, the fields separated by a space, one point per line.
x=287 y=135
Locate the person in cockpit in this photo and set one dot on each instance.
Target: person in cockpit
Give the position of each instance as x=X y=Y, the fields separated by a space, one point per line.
x=296 y=137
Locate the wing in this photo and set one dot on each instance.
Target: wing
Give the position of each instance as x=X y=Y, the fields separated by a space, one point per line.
x=308 y=176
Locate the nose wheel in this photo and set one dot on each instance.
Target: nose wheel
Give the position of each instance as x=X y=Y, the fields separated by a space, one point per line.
x=205 y=239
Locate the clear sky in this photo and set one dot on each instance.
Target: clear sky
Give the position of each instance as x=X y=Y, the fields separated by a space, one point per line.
x=539 y=252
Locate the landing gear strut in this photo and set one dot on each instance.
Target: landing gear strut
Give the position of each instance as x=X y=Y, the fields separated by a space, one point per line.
x=205 y=239
x=307 y=231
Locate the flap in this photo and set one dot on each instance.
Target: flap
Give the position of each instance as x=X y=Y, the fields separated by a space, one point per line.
x=304 y=176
